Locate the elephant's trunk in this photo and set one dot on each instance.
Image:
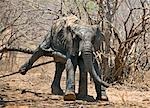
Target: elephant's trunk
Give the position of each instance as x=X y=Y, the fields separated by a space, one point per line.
x=88 y=62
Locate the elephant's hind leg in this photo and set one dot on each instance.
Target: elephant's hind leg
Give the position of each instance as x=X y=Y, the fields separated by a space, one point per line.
x=56 y=89
x=100 y=90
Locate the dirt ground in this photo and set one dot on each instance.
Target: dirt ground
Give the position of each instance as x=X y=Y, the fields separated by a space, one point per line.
x=33 y=91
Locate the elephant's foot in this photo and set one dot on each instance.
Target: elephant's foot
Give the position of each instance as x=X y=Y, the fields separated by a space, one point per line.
x=81 y=96
x=103 y=97
x=57 y=91
x=70 y=96
x=85 y=97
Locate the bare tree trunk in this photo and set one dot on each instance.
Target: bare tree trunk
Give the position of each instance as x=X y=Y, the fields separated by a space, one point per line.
x=107 y=26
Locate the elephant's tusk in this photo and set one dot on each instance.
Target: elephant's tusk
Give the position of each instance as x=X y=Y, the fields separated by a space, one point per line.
x=79 y=53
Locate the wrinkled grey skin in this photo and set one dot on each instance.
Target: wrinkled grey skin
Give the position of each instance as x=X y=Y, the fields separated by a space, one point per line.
x=71 y=46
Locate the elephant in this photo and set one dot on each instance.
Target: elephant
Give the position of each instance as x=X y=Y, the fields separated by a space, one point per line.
x=71 y=43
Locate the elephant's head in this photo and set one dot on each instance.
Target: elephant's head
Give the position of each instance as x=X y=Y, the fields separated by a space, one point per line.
x=89 y=41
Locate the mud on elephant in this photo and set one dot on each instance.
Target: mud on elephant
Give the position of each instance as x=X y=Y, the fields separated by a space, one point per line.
x=71 y=43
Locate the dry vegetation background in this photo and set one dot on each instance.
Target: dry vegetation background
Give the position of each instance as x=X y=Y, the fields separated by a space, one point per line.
x=124 y=54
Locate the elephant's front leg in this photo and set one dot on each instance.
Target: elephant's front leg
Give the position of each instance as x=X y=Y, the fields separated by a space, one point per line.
x=100 y=89
x=83 y=91
x=70 y=82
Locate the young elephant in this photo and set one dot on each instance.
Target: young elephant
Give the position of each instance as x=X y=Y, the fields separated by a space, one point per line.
x=71 y=44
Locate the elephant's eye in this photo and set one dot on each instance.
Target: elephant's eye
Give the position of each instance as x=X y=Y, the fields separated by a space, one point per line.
x=78 y=37
x=93 y=39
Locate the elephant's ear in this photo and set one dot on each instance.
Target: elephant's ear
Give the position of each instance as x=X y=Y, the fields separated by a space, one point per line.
x=74 y=40
x=99 y=38
x=75 y=29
